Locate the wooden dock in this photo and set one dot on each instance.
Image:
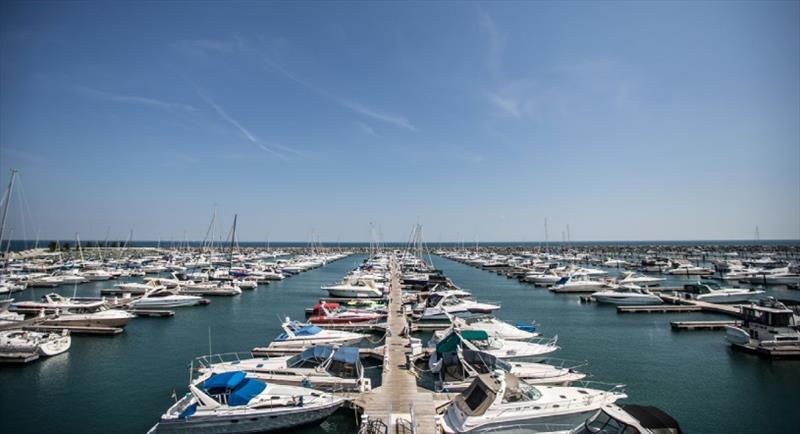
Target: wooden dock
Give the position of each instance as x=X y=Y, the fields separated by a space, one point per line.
x=398 y=402
x=702 y=325
x=659 y=308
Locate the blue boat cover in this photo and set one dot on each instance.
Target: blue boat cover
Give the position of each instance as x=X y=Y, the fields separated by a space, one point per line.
x=245 y=391
x=309 y=330
x=347 y=355
x=221 y=383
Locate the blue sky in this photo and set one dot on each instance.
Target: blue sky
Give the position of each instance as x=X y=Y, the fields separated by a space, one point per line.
x=675 y=120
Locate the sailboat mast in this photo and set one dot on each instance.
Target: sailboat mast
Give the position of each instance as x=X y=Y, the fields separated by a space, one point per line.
x=233 y=238
x=5 y=205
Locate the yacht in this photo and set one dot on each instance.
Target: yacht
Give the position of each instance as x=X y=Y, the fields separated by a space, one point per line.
x=75 y=312
x=24 y=346
x=627 y=295
x=232 y=403
x=136 y=288
x=574 y=284
x=355 y=288
x=629 y=419
x=497 y=329
x=638 y=279
x=549 y=277
x=165 y=299
x=712 y=292
x=456 y=369
x=768 y=325
x=298 y=336
x=479 y=340
x=498 y=401
x=323 y=367
x=333 y=313
x=440 y=305
x=689 y=270
x=97 y=274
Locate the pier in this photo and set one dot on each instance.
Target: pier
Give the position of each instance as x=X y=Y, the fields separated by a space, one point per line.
x=398 y=402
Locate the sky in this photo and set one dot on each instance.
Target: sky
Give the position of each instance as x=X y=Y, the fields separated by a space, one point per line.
x=625 y=121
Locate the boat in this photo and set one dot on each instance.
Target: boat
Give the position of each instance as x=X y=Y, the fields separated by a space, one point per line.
x=479 y=340
x=768 y=326
x=441 y=305
x=97 y=274
x=712 y=292
x=689 y=270
x=629 y=419
x=322 y=367
x=638 y=279
x=627 y=295
x=456 y=369
x=333 y=313
x=355 y=288
x=499 y=401
x=75 y=312
x=232 y=403
x=165 y=299
x=576 y=284
x=24 y=346
x=298 y=335
x=496 y=328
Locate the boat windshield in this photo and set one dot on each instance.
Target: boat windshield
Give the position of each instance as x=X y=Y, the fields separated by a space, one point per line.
x=602 y=423
x=523 y=392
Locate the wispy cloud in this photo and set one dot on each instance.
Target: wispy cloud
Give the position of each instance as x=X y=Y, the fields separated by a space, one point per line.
x=363 y=110
x=131 y=99
x=497 y=43
x=207 y=46
x=275 y=149
x=366 y=129
x=509 y=106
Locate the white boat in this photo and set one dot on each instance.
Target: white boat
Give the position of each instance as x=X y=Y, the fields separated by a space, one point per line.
x=638 y=279
x=455 y=370
x=627 y=295
x=689 y=270
x=576 y=284
x=97 y=274
x=499 y=401
x=322 y=367
x=479 y=340
x=137 y=288
x=441 y=305
x=297 y=335
x=629 y=419
x=768 y=325
x=355 y=289
x=712 y=292
x=496 y=328
x=231 y=403
x=24 y=346
x=165 y=299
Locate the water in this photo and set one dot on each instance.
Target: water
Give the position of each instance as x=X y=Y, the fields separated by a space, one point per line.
x=122 y=384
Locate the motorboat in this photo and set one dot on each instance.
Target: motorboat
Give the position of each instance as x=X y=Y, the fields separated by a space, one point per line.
x=165 y=299
x=547 y=278
x=456 y=369
x=497 y=329
x=638 y=279
x=298 y=335
x=629 y=419
x=355 y=288
x=75 y=312
x=7 y=317
x=97 y=274
x=712 y=292
x=498 y=401
x=322 y=367
x=479 y=340
x=627 y=295
x=689 y=270
x=212 y=288
x=768 y=325
x=137 y=288
x=334 y=313
x=232 y=403
x=577 y=284
x=441 y=305
x=24 y=346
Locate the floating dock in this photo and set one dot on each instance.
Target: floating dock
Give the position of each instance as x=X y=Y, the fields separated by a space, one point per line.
x=659 y=308
x=702 y=325
x=398 y=403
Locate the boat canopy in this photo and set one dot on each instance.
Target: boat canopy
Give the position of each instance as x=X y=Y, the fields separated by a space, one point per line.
x=240 y=389
x=221 y=383
x=450 y=343
x=479 y=396
x=308 y=330
x=653 y=418
x=315 y=355
x=346 y=363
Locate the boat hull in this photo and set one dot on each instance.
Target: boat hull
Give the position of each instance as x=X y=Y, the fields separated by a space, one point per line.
x=250 y=422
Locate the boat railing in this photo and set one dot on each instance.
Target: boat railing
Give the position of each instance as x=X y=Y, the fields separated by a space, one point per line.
x=565 y=363
x=207 y=360
x=527 y=427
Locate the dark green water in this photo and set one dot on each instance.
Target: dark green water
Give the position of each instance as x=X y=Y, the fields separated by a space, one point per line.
x=122 y=384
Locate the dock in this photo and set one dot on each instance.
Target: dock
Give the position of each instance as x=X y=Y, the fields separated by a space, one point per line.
x=75 y=330
x=398 y=403
x=659 y=308
x=702 y=325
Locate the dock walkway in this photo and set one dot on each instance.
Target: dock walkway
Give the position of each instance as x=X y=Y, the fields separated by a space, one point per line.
x=398 y=394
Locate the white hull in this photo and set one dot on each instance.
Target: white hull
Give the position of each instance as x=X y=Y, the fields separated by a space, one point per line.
x=354 y=293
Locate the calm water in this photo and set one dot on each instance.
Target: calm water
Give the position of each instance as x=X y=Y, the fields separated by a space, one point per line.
x=122 y=384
